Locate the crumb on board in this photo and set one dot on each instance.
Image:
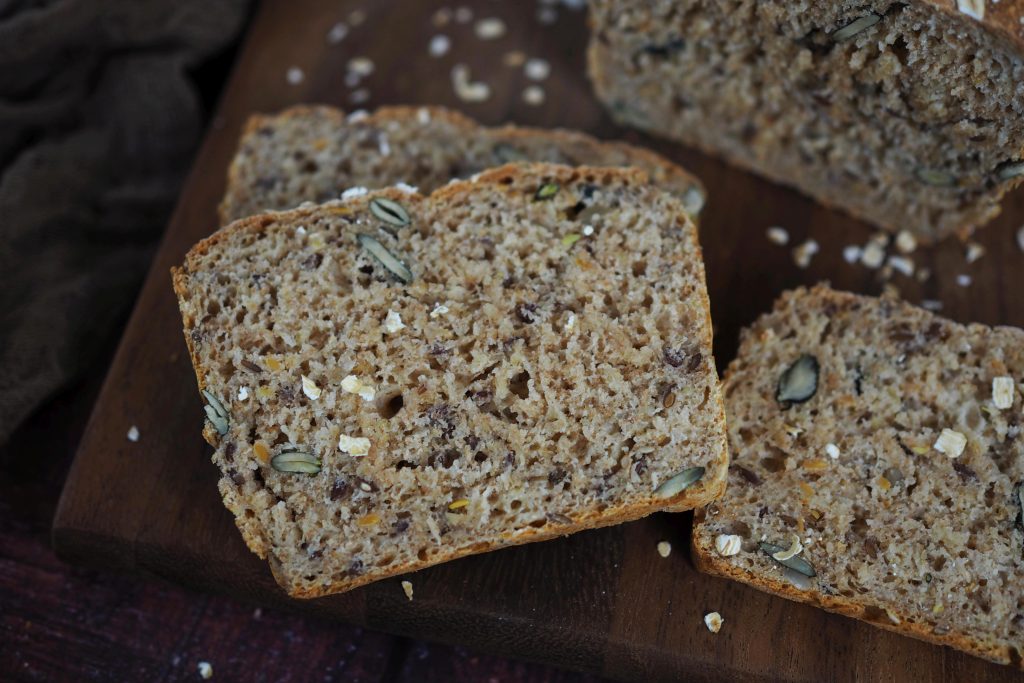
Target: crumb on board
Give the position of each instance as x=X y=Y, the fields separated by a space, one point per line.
x=407 y=588
x=205 y=670
x=778 y=235
x=534 y=95
x=294 y=75
x=133 y=434
x=713 y=620
x=664 y=548
x=439 y=45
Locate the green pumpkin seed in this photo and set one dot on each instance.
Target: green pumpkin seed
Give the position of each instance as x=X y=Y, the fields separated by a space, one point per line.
x=546 y=191
x=796 y=563
x=390 y=212
x=219 y=422
x=295 y=461
x=935 y=178
x=679 y=482
x=215 y=403
x=1010 y=170
x=855 y=27
x=385 y=258
x=799 y=382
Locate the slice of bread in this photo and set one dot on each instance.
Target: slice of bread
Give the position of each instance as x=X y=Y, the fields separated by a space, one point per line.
x=395 y=380
x=313 y=153
x=909 y=115
x=847 y=416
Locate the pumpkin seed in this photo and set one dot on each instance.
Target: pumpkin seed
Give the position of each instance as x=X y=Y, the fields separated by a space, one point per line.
x=855 y=27
x=379 y=252
x=219 y=422
x=546 y=191
x=799 y=382
x=796 y=563
x=679 y=482
x=295 y=461
x=1012 y=169
x=390 y=212
x=935 y=178
x=215 y=404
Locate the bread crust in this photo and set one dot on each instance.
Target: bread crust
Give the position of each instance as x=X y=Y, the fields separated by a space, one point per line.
x=404 y=114
x=709 y=488
x=707 y=559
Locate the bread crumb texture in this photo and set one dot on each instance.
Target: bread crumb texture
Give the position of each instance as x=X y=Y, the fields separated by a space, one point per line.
x=913 y=520
x=907 y=114
x=316 y=153
x=566 y=387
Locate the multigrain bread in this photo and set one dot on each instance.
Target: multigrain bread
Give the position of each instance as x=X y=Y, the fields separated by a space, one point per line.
x=313 y=153
x=523 y=356
x=907 y=114
x=838 y=409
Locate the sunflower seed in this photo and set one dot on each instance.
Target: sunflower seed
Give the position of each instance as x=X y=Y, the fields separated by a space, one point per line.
x=799 y=382
x=796 y=563
x=219 y=423
x=855 y=27
x=935 y=178
x=295 y=461
x=679 y=482
x=385 y=258
x=390 y=212
x=1011 y=169
x=215 y=404
x=546 y=191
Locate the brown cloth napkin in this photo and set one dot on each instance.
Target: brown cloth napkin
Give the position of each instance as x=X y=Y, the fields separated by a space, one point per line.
x=98 y=123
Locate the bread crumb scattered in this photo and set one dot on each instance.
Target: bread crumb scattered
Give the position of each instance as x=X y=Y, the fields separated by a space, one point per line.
x=902 y=264
x=906 y=242
x=466 y=89
x=393 y=322
x=547 y=15
x=360 y=96
x=803 y=254
x=1002 y=393
x=728 y=545
x=537 y=69
x=205 y=670
x=931 y=305
x=356 y=446
x=664 y=548
x=974 y=252
x=832 y=450
x=463 y=15
x=514 y=58
x=851 y=253
x=133 y=434
x=337 y=33
x=534 y=95
x=777 y=235
x=439 y=45
x=407 y=587
x=442 y=17
x=295 y=75
x=714 y=621
x=489 y=28
x=950 y=442
x=963 y=280
x=360 y=66
x=353 y=385
x=873 y=255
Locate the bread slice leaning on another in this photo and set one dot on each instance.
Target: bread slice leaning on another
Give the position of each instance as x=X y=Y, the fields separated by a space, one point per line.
x=881 y=447
x=314 y=153
x=395 y=380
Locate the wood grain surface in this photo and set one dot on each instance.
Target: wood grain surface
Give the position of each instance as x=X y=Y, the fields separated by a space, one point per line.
x=601 y=601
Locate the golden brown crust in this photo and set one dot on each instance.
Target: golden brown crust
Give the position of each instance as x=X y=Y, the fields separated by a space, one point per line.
x=403 y=114
x=711 y=487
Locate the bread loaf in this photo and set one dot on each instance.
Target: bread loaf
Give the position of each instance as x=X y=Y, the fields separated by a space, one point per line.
x=313 y=153
x=394 y=380
x=881 y=447
x=909 y=114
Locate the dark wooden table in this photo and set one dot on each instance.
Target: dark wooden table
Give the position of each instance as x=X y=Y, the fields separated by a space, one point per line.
x=603 y=600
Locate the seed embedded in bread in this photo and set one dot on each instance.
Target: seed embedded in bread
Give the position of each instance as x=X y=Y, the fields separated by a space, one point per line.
x=493 y=423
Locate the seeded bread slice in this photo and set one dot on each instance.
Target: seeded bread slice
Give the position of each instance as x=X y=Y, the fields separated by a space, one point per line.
x=907 y=114
x=861 y=461
x=395 y=381
x=313 y=153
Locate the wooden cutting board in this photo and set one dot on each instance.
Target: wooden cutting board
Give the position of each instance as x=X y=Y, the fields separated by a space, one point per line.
x=601 y=601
